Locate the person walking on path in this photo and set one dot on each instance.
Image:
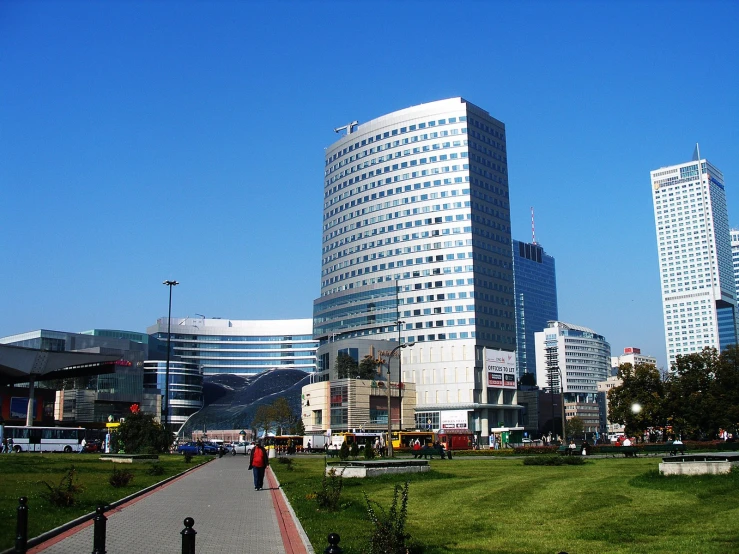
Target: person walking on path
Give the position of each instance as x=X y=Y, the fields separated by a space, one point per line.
x=258 y=462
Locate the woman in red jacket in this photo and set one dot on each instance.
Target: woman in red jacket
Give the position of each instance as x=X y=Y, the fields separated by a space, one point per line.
x=258 y=462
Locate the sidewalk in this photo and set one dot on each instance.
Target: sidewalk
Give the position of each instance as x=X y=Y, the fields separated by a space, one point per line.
x=230 y=516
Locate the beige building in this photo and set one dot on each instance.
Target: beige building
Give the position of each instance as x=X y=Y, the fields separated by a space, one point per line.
x=359 y=404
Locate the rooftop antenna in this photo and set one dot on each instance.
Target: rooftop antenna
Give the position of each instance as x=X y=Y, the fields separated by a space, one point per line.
x=349 y=127
x=533 y=229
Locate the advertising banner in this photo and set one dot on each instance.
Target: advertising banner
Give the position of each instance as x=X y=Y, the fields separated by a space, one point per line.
x=501 y=368
x=453 y=419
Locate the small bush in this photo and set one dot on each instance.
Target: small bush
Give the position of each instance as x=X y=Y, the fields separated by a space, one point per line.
x=344 y=451
x=389 y=535
x=65 y=493
x=354 y=451
x=284 y=460
x=188 y=458
x=120 y=478
x=155 y=469
x=554 y=461
x=369 y=453
x=330 y=494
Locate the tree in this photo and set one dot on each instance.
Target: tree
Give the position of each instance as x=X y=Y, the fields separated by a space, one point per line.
x=368 y=367
x=528 y=379
x=282 y=415
x=141 y=434
x=726 y=389
x=298 y=428
x=639 y=402
x=575 y=427
x=346 y=366
x=691 y=394
x=263 y=419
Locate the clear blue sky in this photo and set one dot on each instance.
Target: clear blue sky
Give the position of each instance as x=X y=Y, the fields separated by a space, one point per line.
x=144 y=141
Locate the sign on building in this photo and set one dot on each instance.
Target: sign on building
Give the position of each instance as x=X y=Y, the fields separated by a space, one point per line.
x=501 y=368
x=453 y=419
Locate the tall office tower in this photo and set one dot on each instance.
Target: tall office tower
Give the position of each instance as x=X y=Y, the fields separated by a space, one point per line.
x=417 y=249
x=698 y=287
x=535 y=291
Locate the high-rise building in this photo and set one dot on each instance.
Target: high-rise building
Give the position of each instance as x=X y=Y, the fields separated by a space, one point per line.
x=572 y=359
x=535 y=291
x=244 y=347
x=695 y=260
x=417 y=249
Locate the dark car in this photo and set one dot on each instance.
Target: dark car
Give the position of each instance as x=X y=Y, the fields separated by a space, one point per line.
x=94 y=445
x=191 y=448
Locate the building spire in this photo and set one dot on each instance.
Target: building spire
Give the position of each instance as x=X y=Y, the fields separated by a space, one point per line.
x=697 y=153
x=533 y=228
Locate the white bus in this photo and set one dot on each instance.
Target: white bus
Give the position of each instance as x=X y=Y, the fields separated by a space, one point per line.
x=45 y=439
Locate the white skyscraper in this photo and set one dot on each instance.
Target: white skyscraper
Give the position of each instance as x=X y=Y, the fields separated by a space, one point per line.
x=695 y=261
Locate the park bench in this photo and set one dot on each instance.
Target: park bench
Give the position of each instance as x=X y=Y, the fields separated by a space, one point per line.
x=667 y=447
x=628 y=451
x=428 y=451
x=565 y=450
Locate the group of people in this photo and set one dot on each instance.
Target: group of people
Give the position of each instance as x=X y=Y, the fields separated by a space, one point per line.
x=423 y=451
x=7 y=446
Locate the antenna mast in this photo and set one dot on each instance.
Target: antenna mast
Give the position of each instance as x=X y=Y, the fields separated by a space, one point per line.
x=533 y=229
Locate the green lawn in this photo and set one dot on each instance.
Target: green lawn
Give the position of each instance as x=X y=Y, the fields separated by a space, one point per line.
x=24 y=474
x=500 y=505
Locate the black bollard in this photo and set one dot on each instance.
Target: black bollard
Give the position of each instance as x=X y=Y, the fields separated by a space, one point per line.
x=333 y=544
x=98 y=541
x=188 y=536
x=21 y=528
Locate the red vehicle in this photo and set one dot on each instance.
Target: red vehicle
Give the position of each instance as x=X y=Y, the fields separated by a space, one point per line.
x=455 y=440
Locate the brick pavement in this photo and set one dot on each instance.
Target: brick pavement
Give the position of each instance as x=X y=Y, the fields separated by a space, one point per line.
x=230 y=516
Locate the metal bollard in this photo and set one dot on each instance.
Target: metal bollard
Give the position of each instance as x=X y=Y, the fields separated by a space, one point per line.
x=98 y=544
x=188 y=536
x=21 y=528
x=333 y=544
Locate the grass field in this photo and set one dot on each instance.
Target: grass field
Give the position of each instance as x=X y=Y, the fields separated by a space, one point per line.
x=500 y=505
x=24 y=475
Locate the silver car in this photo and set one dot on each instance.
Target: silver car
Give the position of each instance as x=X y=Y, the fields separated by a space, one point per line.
x=243 y=448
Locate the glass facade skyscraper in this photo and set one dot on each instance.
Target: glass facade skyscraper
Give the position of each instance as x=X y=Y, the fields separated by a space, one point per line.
x=695 y=259
x=416 y=247
x=535 y=290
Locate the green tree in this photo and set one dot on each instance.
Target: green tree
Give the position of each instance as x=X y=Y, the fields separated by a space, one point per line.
x=691 y=394
x=368 y=367
x=639 y=402
x=726 y=389
x=263 y=420
x=282 y=415
x=298 y=428
x=354 y=450
x=346 y=366
x=344 y=451
x=575 y=427
x=140 y=433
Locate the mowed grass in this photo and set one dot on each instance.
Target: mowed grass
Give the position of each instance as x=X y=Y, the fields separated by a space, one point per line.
x=500 y=505
x=24 y=475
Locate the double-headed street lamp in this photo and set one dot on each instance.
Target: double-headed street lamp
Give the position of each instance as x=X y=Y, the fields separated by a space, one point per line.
x=170 y=284
x=389 y=419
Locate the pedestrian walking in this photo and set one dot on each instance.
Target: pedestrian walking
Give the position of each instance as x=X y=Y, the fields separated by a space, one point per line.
x=83 y=443
x=9 y=447
x=258 y=462
x=4 y=446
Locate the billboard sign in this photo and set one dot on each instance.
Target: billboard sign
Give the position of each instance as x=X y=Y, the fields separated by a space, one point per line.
x=501 y=368
x=453 y=419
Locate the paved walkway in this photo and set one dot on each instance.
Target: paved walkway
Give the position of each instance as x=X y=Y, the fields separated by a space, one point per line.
x=230 y=516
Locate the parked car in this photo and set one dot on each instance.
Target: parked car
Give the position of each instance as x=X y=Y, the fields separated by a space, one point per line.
x=93 y=445
x=191 y=448
x=210 y=448
x=243 y=448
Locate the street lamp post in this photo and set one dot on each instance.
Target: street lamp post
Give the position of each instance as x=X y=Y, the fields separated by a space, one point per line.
x=389 y=419
x=170 y=284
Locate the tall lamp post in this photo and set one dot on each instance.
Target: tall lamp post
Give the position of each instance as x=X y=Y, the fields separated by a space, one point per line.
x=389 y=419
x=170 y=284
x=562 y=402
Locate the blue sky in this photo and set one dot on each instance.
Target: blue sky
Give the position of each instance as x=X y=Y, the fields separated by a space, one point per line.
x=144 y=141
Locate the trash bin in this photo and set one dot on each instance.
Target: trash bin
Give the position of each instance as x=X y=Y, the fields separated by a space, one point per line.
x=271 y=451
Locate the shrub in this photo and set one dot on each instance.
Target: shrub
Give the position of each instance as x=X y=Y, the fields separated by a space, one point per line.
x=188 y=458
x=65 y=493
x=369 y=453
x=388 y=534
x=330 y=494
x=155 y=469
x=354 y=451
x=344 y=451
x=284 y=460
x=120 y=478
x=554 y=461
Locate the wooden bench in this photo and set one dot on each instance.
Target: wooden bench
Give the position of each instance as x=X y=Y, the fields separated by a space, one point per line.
x=628 y=451
x=565 y=450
